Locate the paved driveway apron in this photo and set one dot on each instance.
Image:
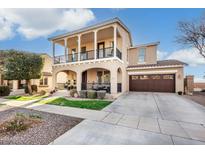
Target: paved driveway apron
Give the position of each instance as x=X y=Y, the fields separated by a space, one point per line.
x=143 y=118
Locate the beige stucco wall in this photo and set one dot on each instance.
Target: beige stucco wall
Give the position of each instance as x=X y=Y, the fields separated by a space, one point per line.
x=46 y=88
x=150 y=55
x=48 y=62
x=179 y=75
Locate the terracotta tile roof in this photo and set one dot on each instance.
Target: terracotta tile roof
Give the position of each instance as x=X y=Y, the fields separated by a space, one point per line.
x=170 y=62
x=46 y=73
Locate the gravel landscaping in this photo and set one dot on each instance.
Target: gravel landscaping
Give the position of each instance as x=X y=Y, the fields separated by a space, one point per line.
x=47 y=129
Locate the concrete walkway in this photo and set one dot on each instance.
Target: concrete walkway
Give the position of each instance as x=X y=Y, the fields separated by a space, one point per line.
x=143 y=118
x=135 y=118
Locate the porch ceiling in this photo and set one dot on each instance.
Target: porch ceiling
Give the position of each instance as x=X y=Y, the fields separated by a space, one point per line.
x=89 y=37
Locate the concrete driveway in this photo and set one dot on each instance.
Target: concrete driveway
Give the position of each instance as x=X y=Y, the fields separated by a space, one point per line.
x=143 y=118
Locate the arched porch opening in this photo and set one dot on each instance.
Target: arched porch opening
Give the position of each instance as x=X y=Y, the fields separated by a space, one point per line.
x=66 y=79
x=96 y=79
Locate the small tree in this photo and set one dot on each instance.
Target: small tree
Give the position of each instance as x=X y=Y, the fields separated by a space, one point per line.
x=22 y=66
x=193 y=34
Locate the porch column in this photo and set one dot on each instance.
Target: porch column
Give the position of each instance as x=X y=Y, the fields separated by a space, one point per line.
x=79 y=44
x=65 y=48
x=54 y=77
x=95 y=44
x=15 y=85
x=113 y=79
x=115 y=39
x=79 y=80
x=53 y=44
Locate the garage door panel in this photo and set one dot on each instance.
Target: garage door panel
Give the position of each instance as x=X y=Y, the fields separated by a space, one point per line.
x=153 y=83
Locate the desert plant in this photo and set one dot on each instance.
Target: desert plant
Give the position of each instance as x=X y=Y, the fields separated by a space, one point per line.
x=34 y=88
x=179 y=92
x=35 y=116
x=4 y=90
x=101 y=94
x=83 y=93
x=73 y=92
x=19 y=123
x=91 y=94
x=42 y=92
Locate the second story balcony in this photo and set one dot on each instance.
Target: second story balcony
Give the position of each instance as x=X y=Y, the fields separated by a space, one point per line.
x=87 y=55
x=95 y=44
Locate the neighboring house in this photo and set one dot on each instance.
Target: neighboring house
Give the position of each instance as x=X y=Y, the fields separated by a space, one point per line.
x=45 y=83
x=102 y=57
x=199 y=86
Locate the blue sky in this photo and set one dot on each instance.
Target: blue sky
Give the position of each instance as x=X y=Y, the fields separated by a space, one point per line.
x=22 y=28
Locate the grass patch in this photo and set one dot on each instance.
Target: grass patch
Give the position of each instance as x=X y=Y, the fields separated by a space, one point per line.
x=86 y=104
x=26 y=98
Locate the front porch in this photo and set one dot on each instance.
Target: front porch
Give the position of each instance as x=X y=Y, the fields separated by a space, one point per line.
x=90 y=79
x=88 y=46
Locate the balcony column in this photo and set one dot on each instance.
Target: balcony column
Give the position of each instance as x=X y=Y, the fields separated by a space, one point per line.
x=53 y=46
x=95 y=44
x=79 y=80
x=66 y=49
x=113 y=79
x=79 y=44
x=115 y=40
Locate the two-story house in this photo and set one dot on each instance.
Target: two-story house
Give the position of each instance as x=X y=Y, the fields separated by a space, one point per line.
x=102 y=57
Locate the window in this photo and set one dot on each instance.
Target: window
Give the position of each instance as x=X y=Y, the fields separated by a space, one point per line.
x=106 y=77
x=43 y=81
x=141 y=58
x=74 y=55
x=83 y=53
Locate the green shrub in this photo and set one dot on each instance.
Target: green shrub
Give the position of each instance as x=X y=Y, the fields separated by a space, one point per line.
x=42 y=92
x=73 y=92
x=35 y=116
x=4 y=90
x=101 y=94
x=83 y=93
x=91 y=94
x=34 y=88
x=179 y=92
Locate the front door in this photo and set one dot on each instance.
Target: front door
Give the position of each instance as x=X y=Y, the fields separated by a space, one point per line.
x=101 y=50
x=84 y=80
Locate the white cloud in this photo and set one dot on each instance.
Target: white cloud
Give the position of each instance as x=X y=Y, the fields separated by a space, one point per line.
x=5 y=29
x=200 y=80
x=33 y=23
x=190 y=56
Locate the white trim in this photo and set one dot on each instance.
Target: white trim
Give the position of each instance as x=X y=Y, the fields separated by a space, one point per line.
x=144 y=45
x=115 y=39
x=79 y=46
x=151 y=67
x=152 y=72
x=95 y=44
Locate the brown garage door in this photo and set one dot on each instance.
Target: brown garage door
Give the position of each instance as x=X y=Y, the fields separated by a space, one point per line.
x=152 y=83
